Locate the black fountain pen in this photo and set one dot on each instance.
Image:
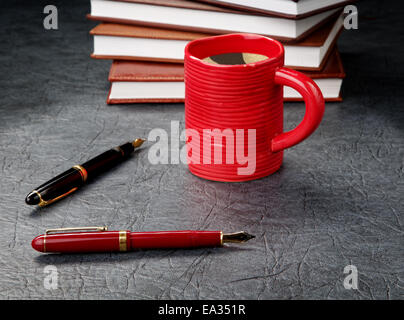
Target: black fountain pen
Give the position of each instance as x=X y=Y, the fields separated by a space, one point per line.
x=70 y=180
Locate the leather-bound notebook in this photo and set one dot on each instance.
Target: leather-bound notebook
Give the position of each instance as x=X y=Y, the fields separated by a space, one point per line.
x=329 y=80
x=206 y=18
x=130 y=42
x=144 y=82
x=293 y=9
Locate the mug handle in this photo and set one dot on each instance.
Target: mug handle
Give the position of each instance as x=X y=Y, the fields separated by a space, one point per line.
x=314 y=108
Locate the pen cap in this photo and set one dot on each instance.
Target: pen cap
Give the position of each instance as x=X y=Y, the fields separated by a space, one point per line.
x=103 y=241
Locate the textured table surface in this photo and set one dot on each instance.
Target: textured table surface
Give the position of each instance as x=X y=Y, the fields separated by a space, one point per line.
x=338 y=199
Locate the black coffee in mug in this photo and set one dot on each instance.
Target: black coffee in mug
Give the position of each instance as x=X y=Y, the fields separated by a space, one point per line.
x=235 y=58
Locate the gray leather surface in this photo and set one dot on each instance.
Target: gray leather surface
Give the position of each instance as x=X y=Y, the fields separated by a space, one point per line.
x=338 y=199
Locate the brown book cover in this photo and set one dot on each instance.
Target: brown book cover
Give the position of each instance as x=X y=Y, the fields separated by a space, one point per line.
x=201 y=6
x=333 y=68
x=141 y=71
x=230 y=5
x=186 y=4
x=133 y=71
x=133 y=31
x=316 y=39
x=145 y=71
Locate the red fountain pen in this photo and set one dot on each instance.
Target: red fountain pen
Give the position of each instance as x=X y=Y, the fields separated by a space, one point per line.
x=99 y=239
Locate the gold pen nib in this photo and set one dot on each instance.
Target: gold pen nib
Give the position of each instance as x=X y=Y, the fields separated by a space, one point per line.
x=138 y=142
x=238 y=237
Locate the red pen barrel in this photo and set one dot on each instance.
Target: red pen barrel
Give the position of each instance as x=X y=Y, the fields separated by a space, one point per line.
x=113 y=241
x=75 y=242
x=175 y=239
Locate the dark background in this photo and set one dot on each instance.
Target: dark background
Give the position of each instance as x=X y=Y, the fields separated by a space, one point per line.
x=338 y=199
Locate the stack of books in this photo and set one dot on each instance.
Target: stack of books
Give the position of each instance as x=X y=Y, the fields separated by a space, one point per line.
x=146 y=41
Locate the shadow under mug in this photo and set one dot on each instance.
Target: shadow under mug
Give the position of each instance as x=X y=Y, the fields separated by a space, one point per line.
x=234 y=113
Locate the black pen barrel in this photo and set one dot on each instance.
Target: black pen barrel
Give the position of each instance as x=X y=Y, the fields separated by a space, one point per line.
x=70 y=180
x=107 y=160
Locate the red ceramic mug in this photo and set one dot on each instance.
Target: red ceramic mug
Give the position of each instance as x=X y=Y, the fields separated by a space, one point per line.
x=234 y=113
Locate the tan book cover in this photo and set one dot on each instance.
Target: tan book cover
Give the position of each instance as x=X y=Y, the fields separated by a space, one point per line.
x=316 y=39
x=146 y=72
x=193 y=5
x=245 y=7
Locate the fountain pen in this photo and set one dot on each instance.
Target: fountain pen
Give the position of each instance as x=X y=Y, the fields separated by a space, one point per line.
x=99 y=239
x=70 y=180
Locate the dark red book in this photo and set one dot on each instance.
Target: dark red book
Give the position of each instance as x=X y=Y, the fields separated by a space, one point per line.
x=143 y=82
x=206 y=18
x=293 y=9
x=131 y=42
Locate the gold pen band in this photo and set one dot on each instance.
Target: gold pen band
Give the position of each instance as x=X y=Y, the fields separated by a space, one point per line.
x=123 y=241
x=82 y=171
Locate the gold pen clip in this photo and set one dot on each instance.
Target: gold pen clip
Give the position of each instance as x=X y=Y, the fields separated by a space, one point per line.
x=43 y=203
x=49 y=231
